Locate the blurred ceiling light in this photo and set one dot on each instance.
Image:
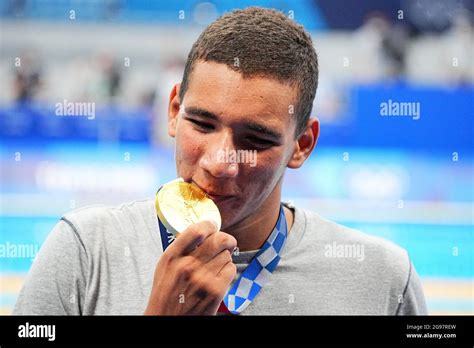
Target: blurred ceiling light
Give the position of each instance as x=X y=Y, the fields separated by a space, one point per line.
x=205 y=13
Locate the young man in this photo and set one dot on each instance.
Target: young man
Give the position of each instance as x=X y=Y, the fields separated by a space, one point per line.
x=248 y=85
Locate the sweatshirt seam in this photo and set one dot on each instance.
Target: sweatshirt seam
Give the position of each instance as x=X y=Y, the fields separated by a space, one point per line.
x=81 y=242
x=288 y=249
x=76 y=233
x=406 y=286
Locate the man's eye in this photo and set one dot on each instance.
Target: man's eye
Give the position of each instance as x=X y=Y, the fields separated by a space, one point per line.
x=202 y=125
x=260 y=141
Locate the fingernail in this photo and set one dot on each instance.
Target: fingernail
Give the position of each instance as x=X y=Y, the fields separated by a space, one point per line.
x=214 y=223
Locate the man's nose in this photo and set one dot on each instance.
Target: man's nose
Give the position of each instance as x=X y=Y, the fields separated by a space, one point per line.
x=219 y=159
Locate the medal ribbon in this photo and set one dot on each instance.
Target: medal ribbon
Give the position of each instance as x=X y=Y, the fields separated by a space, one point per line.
x=255 y=275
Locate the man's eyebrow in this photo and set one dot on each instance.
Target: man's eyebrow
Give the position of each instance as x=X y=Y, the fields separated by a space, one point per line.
x=254 y=126
x=257 y=127
x=201 y=112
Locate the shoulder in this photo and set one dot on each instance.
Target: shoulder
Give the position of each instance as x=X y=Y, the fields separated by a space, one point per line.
x=323 y=230
x=93 y=223
x=93 y=212
x=375 y=256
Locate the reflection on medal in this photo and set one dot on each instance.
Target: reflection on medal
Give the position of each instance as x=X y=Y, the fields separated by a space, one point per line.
x=180 y=204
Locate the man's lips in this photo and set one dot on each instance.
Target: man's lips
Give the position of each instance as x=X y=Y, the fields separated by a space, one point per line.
x=216 y=197
x=219 y=198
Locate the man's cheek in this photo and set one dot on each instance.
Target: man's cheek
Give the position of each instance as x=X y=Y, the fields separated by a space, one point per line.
x=269 y=174
x=258 y=182
x=265 y=167
x=188 y=149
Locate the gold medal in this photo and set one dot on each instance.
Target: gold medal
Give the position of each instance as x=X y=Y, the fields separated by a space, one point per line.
x=180 y=204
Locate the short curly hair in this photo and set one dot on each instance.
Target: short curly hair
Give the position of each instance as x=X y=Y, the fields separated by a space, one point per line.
x=263 y=42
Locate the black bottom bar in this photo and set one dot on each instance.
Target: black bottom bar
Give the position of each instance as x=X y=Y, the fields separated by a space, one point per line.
x=226 y=330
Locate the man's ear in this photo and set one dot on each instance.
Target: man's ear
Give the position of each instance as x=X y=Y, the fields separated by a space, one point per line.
x=173 y=110
x=305 y=144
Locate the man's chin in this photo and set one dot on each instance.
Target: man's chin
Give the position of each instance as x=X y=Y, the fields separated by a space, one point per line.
x=229 y=216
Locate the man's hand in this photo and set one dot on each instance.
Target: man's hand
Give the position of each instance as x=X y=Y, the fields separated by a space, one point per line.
x=194 y=272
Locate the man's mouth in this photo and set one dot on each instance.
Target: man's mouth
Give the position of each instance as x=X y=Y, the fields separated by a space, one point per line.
x=217 y=197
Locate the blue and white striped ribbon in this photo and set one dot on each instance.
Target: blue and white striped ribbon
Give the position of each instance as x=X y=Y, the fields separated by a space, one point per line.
x=256 y=274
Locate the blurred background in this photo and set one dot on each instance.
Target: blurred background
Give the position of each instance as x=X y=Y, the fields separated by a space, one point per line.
x=407 y=178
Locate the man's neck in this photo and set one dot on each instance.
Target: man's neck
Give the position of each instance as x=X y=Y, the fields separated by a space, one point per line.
x=252 y=232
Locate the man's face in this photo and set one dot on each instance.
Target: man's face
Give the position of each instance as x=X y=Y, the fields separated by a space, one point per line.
x=225 y=120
